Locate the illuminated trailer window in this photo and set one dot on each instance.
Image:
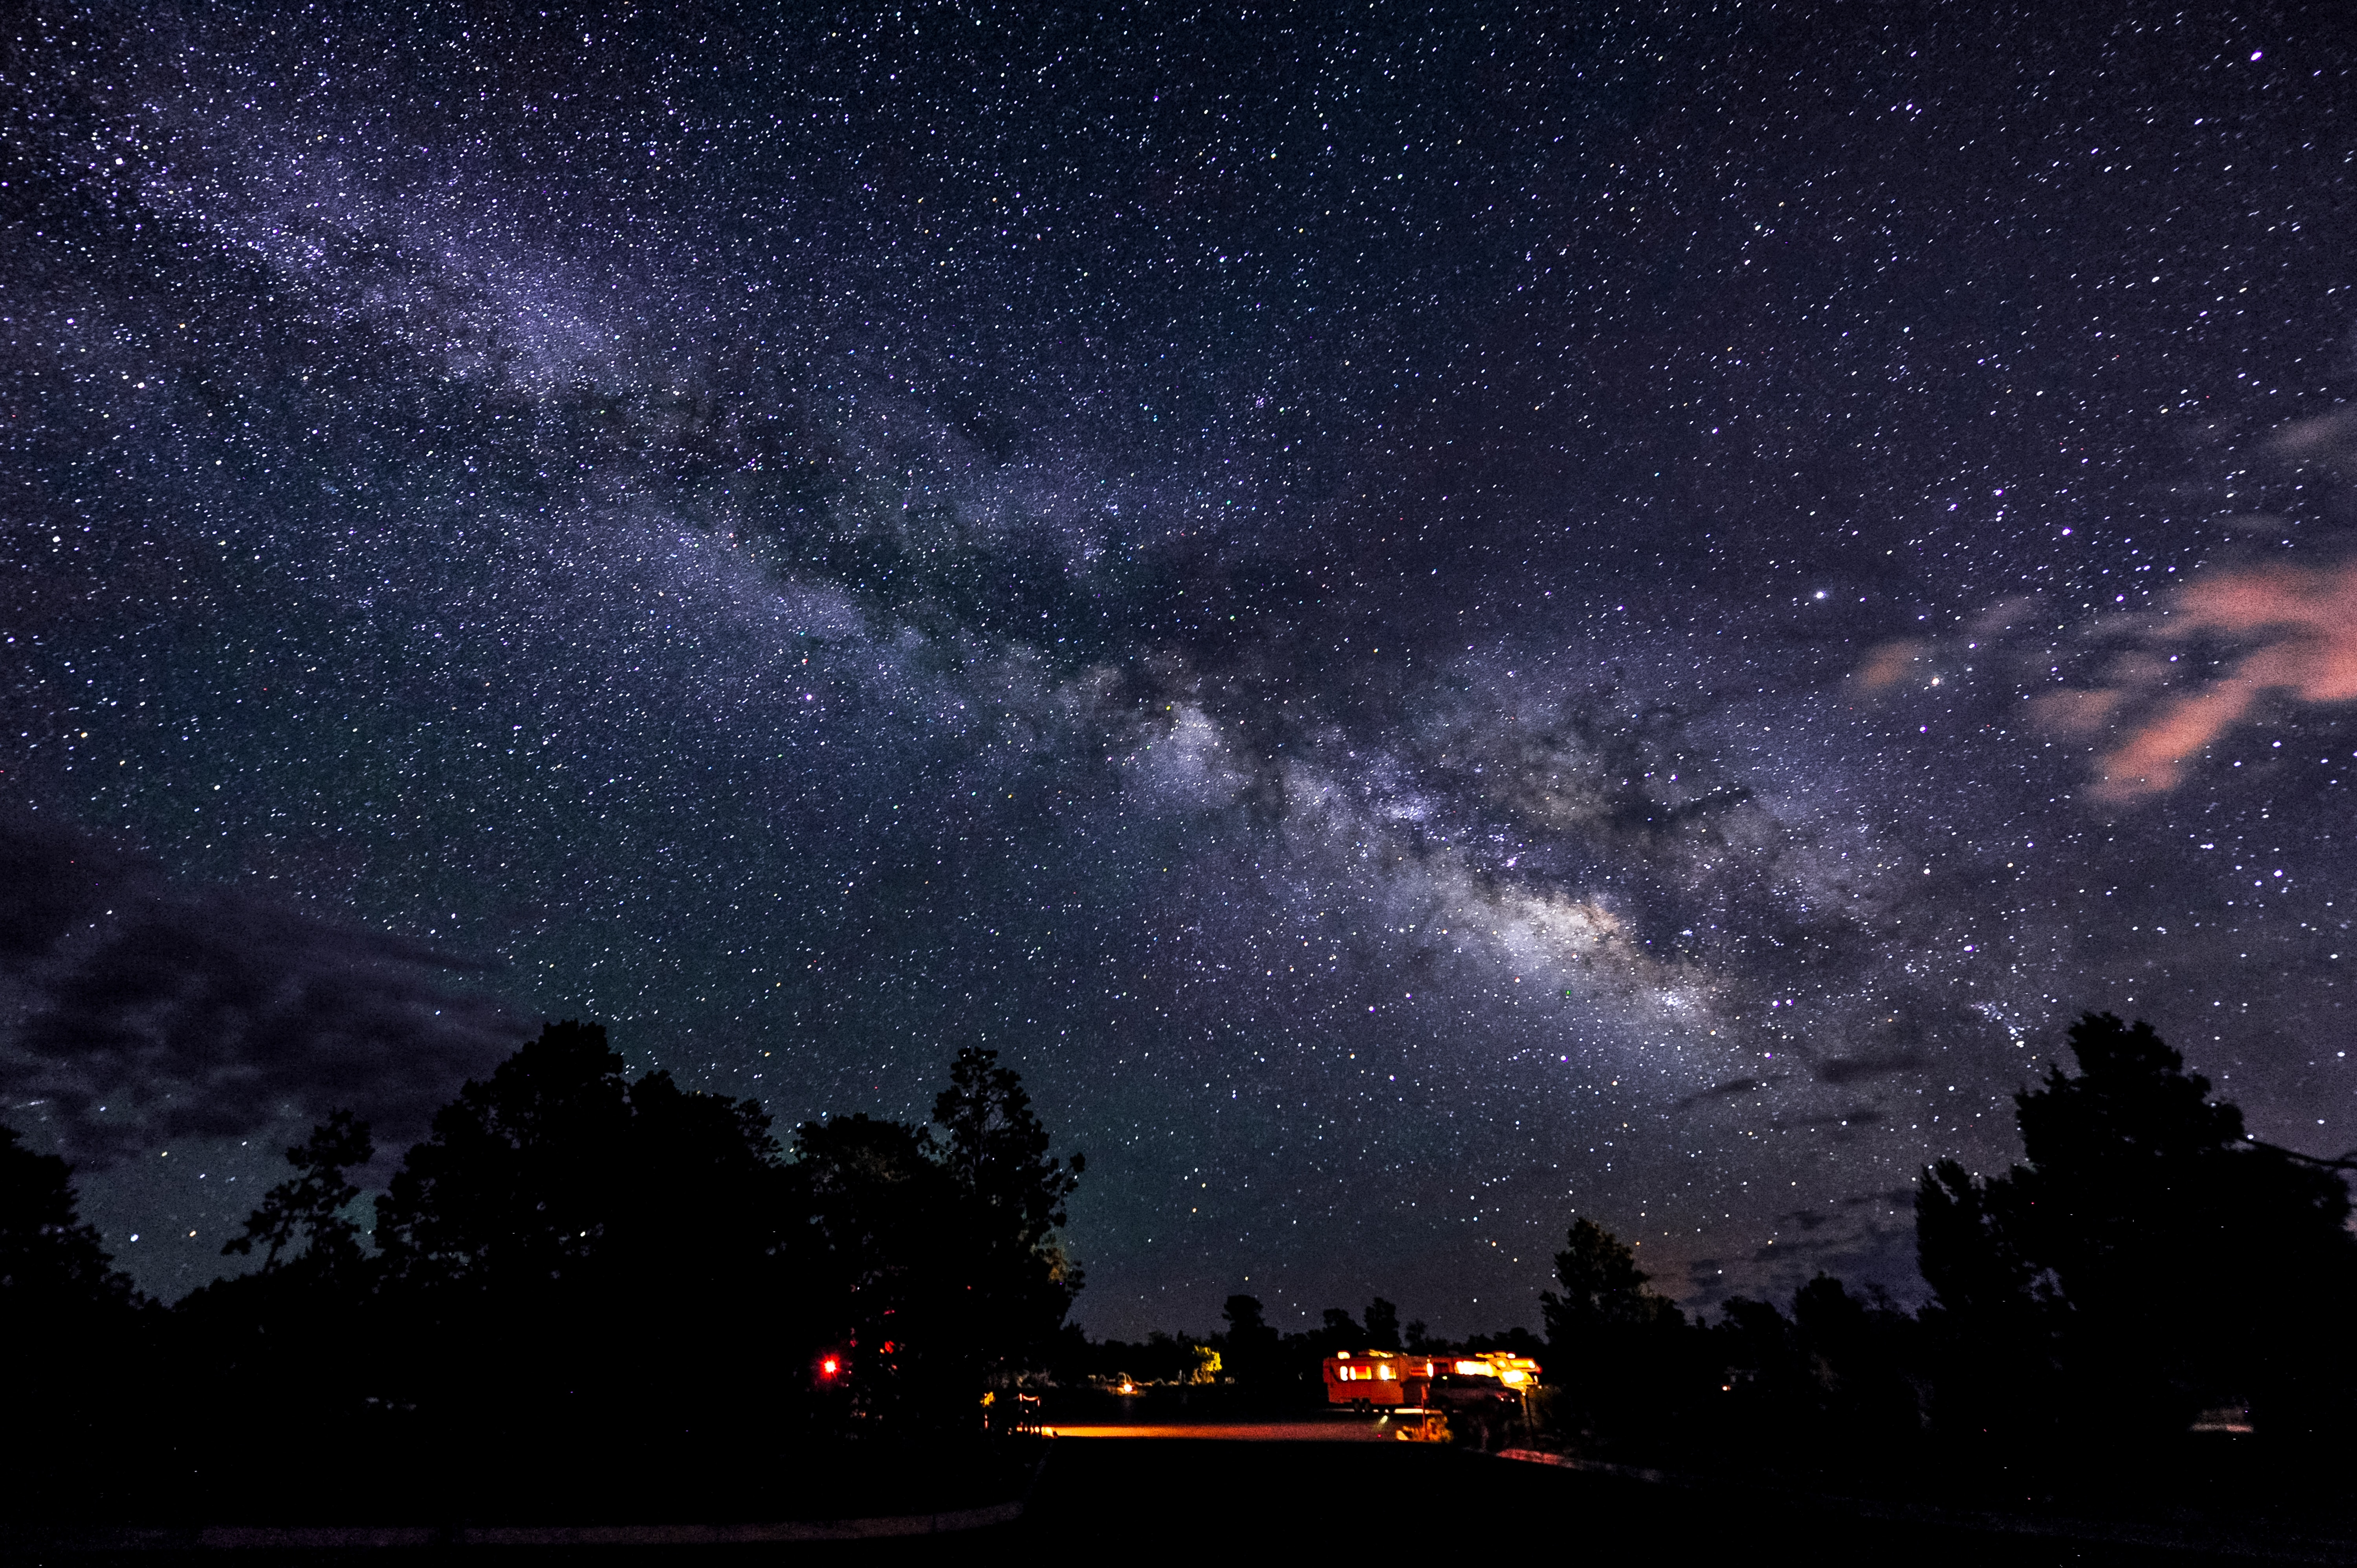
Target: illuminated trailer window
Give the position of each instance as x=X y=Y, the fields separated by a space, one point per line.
x=1387 y=1377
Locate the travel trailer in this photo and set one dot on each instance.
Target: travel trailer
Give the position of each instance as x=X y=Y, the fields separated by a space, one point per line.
x=1391 y=1380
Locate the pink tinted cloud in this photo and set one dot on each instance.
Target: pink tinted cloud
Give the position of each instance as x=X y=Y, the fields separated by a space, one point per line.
x=2301 y=626
x=1890 y=663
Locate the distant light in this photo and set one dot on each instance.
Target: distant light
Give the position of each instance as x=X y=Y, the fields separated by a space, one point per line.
x=2255 y=53
x=1821 y=593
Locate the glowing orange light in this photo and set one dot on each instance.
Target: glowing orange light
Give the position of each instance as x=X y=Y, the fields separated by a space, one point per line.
x=830 y=1367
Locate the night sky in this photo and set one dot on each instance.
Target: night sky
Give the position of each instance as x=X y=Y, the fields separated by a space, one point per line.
x=1433 y=621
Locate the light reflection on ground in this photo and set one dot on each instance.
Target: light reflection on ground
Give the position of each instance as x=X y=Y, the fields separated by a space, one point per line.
x=1350 y=1430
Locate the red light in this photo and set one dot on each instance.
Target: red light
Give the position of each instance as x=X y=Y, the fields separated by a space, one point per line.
x=829 y=1367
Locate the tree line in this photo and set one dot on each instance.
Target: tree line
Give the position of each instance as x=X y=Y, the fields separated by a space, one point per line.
x=2148 y=1269
x=581 y=1274
x=574 y=1268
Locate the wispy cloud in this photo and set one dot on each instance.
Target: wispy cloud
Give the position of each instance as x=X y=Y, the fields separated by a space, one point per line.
x=1890 y=663
x=2298 y=628
x=2290 y=634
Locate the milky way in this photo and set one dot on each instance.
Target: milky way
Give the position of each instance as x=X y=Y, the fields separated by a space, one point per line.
x=1433 y=622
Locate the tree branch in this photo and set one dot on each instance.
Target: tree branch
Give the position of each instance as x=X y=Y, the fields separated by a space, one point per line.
x=2347 y=1162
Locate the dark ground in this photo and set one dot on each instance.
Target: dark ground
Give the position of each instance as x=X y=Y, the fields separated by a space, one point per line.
x=1100 y=1500
x=1335 y=1502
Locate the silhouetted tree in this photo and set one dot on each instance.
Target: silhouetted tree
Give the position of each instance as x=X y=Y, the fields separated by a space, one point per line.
x=1340 y=1333
x=1760 y=1357
x=268 y=1352
x=1859 y=1355
x=1515 y=1341
x=995 y=1146
x=574 y=1271
x=1382 y=1326
x=1245 y=1318
x=1834 y=1383
x=1602 y=1286
x=301 y=1222
x=68 y=1318
x=995 y=1149
x=889 y=1216
x=942 y=1248
x=572 y=1241
x=53 y=1269
x=1251 y=1346
x=520 y=1177
x=874 y=1187
x=1995 y=1320
x=1616 y=1351
x=2149 y=1244
x=1968 y=1245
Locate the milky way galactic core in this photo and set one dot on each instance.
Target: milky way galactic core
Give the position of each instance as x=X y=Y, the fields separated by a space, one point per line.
x=1433 y=622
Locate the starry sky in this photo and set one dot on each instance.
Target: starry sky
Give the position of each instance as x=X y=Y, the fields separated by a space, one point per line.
x=1434 y=619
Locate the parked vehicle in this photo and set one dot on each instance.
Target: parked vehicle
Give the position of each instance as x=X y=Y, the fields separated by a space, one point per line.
x=1372 y=1379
